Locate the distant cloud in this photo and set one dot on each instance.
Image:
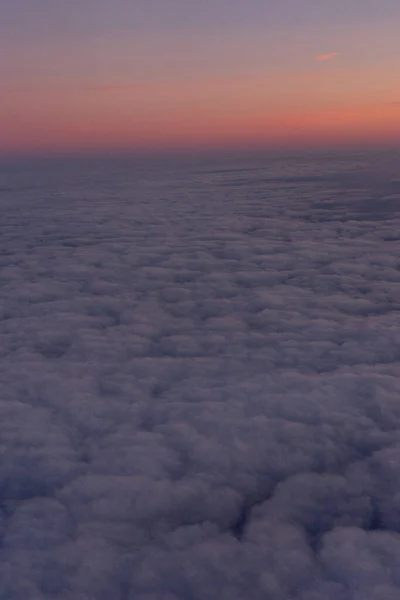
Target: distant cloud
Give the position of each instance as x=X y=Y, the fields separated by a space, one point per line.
x=164 y=87
x=112 y=87
x=138 y=87
x=325 y=57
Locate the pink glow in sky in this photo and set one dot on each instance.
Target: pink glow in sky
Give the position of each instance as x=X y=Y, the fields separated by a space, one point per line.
x=88 y=76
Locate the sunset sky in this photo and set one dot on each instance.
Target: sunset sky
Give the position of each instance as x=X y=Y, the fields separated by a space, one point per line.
x=143 y=74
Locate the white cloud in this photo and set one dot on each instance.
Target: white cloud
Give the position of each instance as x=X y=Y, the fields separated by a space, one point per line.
x=200 y=382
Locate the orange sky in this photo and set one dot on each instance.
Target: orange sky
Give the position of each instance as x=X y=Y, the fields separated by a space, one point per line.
x=295 y=86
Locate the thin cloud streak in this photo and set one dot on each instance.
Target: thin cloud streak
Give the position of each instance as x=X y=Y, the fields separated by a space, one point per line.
x=325 y=57
x=113 y=88
x=194 y=82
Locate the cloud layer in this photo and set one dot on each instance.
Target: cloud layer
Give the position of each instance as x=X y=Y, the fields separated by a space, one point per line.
x=200 y=381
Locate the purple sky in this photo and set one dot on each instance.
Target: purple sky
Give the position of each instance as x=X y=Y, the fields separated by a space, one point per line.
x=87 y=17
x=52 y=53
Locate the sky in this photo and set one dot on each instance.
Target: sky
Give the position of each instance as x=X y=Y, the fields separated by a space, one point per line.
x=92 y=74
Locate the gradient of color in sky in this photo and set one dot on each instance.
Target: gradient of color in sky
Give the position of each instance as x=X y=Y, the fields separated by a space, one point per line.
x=95 y=74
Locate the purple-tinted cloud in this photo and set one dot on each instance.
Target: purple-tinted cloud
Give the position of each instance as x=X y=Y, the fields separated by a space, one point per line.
x=200 y=380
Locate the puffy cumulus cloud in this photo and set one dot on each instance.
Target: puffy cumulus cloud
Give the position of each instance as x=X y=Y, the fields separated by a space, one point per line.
x=200 y=382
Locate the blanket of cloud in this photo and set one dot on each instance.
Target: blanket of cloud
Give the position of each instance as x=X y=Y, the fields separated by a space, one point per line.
x=199 y=374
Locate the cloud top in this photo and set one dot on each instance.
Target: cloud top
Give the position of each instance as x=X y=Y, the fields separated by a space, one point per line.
x=199 y=380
